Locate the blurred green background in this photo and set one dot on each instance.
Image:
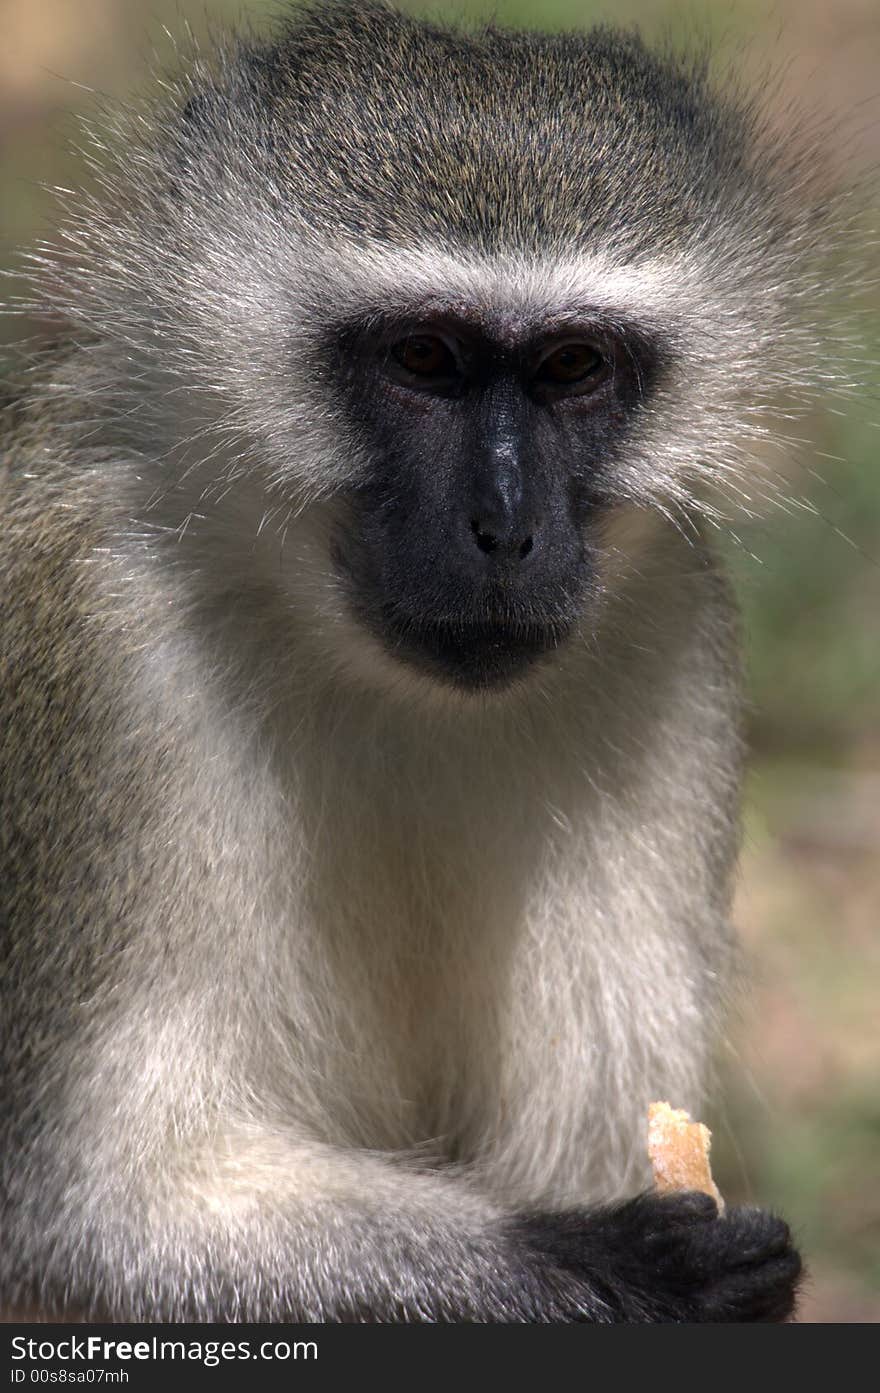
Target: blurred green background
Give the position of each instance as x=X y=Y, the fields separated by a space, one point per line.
x=799 y=1125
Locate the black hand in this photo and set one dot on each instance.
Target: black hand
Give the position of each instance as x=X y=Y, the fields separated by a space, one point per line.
x=670 y=1258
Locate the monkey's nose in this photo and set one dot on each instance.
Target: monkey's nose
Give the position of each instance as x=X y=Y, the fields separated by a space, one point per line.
x=504 y=542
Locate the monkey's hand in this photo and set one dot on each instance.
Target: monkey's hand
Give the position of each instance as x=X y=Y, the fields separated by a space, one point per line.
x=671 y=1258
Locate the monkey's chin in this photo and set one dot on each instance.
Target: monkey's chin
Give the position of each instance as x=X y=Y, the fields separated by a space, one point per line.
x=474 y=657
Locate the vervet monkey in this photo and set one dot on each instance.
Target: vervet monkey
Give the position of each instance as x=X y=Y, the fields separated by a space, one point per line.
x=371 y=700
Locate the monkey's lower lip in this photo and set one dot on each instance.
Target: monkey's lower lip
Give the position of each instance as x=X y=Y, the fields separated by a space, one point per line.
x=474 y=655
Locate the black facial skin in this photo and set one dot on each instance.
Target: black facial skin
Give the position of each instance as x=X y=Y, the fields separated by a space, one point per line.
x=467 y=542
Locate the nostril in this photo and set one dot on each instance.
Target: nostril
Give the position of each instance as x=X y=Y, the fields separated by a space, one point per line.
x=490 y=541
x=486 y=541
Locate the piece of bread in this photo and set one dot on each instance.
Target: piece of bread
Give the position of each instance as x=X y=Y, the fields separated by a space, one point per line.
x=679 y=1152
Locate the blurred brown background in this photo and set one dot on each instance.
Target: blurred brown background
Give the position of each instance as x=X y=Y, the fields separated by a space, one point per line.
x=799 y=1127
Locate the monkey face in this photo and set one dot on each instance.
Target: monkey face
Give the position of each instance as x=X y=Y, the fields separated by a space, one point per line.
x=467 y=544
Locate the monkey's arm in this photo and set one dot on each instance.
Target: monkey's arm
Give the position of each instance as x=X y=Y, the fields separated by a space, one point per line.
x=261 y=1228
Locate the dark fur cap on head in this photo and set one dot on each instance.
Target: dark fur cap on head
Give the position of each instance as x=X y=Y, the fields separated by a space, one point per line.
x=395 y=128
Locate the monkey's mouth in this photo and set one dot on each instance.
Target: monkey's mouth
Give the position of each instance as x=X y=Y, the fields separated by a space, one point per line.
x=472 y=655
x=475 y=640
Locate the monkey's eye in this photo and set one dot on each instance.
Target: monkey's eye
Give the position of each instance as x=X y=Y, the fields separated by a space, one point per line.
x=425 y=355
x=575 y=366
